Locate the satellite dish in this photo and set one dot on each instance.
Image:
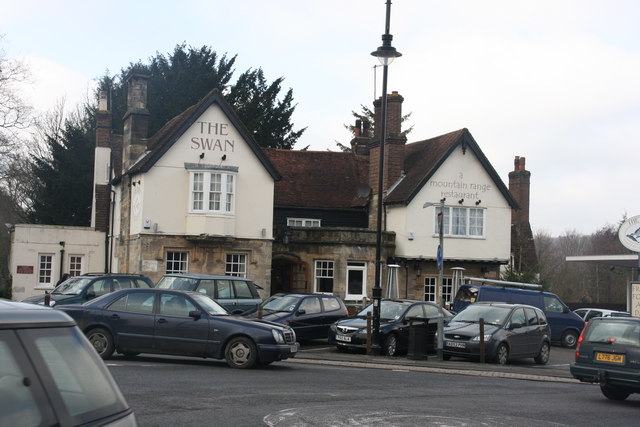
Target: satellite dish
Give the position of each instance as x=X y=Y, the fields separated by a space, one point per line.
x=364 y=190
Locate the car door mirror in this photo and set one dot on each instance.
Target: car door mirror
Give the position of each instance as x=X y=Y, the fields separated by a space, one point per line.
x=90 y=295
x=196 y=314
x=515 y=325
x=301 y=312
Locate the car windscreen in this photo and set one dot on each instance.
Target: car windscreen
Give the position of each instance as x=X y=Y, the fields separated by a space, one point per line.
x=390 y=310
x=286 y=303
x=621 y=332
x=81 y=386
x=181 y=283
x=492 y=315
x=209 y=305
x=73 y=286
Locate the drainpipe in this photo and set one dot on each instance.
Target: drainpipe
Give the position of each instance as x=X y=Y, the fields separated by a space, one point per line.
x=61 y=260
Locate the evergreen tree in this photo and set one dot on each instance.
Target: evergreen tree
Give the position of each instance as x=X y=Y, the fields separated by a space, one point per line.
x=182 y=78
x=62 y=187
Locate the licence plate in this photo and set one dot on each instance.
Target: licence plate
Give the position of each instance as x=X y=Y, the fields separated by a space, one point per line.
x=343 y=338
x=611 y=358
x=294 y=348
x=455 y=344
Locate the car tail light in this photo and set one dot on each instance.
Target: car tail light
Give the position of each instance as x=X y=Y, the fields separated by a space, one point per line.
x=580 y=338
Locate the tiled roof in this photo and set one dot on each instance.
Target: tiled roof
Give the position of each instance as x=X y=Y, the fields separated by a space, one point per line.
x=160 y=143
x=319 y=179
x=423 y=158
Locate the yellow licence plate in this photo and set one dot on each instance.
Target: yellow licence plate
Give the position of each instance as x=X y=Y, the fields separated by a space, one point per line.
x=611 y=358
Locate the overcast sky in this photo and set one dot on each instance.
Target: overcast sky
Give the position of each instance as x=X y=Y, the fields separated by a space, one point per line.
x=554 y=81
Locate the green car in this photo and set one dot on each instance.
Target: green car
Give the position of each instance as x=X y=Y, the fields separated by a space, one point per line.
x=608 y=353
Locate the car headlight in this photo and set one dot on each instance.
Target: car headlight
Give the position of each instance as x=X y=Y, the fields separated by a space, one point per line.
x=487 y=338
x=277 y=335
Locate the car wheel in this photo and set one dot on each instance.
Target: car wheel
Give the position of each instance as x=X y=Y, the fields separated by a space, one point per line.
x=241 y=353
x=390 y=345
x=543 y=357
x=569 y=339
x=613 y=393
x=102 y=342
x=502 y=354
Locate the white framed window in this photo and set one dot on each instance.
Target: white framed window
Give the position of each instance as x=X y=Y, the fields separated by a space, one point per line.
x=303 y=222
x=323 y=276
x=45 y=270
x=212 y=192
x=75 y=265
x=430 y=284
x=177 y=262
x=356 y=280
x=461 y=222
x=236 y=265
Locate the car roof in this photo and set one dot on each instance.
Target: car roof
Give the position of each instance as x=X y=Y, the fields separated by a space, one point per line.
x=206 y=276
x=18 y=315
x=505 y=304
x=302 y=294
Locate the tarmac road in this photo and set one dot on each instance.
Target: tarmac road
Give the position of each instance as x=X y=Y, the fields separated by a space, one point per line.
x=321 y=352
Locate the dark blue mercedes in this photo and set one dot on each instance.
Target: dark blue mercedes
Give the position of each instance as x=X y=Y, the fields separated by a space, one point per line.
x=164 y=321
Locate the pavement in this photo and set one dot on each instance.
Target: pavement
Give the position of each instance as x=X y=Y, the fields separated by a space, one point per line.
x=557 y=370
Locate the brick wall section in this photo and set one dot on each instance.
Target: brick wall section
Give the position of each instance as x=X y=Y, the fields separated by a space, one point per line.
x=102 y=194
x=103 y=129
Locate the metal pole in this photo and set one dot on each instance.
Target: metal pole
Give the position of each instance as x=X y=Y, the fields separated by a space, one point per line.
x=440 y=323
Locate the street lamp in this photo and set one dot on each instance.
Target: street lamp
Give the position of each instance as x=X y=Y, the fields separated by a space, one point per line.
x=385 y=54
x=440 y=262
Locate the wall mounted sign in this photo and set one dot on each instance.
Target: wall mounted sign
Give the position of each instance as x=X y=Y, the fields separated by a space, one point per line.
x=629 y=233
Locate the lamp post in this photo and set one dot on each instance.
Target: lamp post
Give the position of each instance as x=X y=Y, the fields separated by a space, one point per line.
x=385 y=54
x=440 y=262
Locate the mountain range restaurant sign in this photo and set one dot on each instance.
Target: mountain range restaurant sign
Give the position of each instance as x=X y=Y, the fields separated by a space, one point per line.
x=629 y=233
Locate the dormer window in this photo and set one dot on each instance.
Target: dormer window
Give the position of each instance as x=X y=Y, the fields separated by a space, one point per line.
x=303 y=222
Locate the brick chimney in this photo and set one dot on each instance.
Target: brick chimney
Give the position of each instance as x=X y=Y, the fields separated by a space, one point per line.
x=101 y=167
x=135 y=121
x=394 y=143
x=519 y=186
x=361 y=138
x=523 y=248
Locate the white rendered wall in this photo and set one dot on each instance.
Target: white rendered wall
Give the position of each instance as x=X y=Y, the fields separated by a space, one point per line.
x=461 y=176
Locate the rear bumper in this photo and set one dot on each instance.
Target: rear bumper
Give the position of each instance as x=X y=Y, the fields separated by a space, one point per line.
x=274 y=352
x=606 y=376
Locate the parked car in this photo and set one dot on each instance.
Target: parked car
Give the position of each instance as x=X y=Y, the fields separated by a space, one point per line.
x=310 y=315
x=80 y=289
x=511 y=331
x=395 y=320
x=588 y=313
x=236 y=294
x=50 y=375
x=166 y=321
x=608 y=353
x=565 y=325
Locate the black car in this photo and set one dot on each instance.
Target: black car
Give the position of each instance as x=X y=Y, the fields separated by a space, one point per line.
x=50 y=375
x=165 y=321
x=608 y=353
x=396 y=317
x=236 y=294
x=80 y=289
x=310 y=315
x=511 y=331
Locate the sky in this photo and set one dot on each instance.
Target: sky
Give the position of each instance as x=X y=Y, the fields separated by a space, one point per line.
x=554 y=81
